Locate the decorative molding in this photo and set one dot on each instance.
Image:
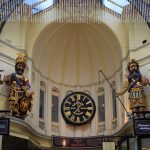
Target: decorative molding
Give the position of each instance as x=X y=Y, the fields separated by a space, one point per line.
x=11 y=46
x=55 y=128
x=124 y=128
x=114 y=124
x=42 y=125
x=140 y=47
x=27 y=126
x=144 y=58
x=6 y=56
x=101 y=128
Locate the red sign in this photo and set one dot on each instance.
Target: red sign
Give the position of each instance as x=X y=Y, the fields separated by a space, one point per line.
x=90 y=142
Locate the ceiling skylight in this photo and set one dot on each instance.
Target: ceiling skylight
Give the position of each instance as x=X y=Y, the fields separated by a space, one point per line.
x=121 y=3
x=44 y=5
x=30 y=2
x=112 y=6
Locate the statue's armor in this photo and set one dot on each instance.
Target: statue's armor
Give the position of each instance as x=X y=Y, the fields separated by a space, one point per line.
x=20 y=103
x=136 y=92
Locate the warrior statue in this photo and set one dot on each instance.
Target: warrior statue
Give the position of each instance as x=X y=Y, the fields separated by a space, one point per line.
x=20 y=96
x=134 y=83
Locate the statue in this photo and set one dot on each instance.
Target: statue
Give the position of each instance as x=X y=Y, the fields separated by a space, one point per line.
x=134 y=83
x=20 y=96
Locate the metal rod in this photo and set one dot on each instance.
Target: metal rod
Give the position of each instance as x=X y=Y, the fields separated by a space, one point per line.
x=114 y=93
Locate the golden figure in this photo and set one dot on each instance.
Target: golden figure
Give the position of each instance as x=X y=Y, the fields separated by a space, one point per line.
x=20 y=96
x=134 y=83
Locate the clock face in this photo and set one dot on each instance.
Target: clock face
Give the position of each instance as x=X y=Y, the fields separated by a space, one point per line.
x=78 y=108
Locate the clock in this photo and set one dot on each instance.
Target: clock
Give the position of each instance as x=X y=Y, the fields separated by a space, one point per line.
x=78 y=108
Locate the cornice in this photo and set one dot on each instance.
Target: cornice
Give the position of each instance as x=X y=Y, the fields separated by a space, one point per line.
x=27 y=126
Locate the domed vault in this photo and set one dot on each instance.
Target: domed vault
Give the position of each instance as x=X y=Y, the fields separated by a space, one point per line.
x=71 y=54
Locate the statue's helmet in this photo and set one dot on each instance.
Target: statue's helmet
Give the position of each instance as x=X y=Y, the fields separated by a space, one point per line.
x=21 y=59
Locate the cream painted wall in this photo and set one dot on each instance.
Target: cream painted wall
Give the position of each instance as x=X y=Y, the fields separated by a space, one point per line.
x=139 y=31
x=120 y=30
x=33 y=31
x=16 y=33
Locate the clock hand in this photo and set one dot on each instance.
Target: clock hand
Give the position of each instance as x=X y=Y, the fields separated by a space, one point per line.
x=72 y=108
x=77 y=109
x=74 y=104
x=82 y=108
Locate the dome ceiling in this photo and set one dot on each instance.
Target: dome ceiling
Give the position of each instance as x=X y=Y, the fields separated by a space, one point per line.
x=71 y=54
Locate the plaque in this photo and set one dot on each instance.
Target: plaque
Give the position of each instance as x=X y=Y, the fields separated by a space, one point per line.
x=77 y=142
x=142 y=126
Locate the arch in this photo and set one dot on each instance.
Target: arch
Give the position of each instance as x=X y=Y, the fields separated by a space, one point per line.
x=90 y=46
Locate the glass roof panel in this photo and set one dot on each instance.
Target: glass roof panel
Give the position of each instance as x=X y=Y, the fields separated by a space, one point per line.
x=112 y=6
x=121 y=3
x=30 y=2
x=42 y=6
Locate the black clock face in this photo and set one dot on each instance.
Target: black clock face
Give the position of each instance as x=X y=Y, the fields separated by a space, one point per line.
x=78 y=108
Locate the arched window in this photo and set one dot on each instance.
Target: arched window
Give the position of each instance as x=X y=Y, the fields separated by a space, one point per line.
x=55 y=103
x=101 y=104
x=114 y=105
x=42 y=100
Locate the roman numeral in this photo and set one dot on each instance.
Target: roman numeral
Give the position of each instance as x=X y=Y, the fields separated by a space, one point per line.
x=88 y=102
x=88 y=114
x=89 y=108
x=78 y=119
x=67 y=108
x=68 y=113
x=78 y=97
x=73 y=99
x=72 y=118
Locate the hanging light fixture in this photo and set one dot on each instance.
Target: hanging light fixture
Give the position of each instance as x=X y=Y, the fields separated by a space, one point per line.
x=77 y=11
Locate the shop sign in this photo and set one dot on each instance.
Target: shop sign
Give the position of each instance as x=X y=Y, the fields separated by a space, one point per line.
x=142 y=126
x=4 y=126
x=64 y=142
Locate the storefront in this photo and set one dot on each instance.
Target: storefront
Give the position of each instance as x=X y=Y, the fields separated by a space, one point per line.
x=16 y=143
